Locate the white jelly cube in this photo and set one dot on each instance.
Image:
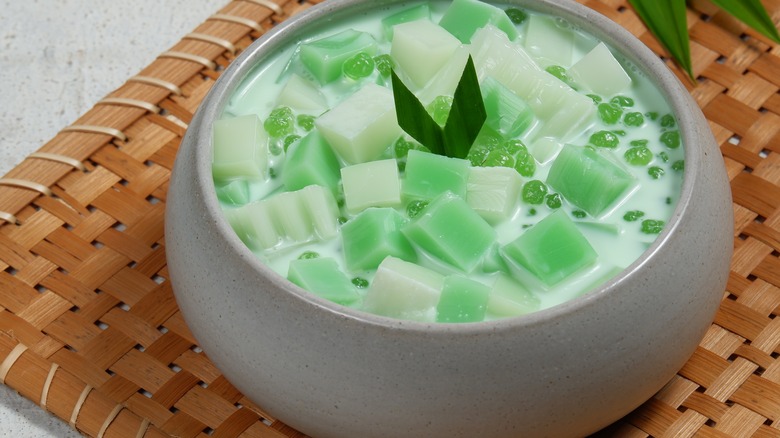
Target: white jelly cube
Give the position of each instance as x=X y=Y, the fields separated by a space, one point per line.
x=240 y=148
x=510 y=298
x=322 y=209
x=600 y=72
x=548 y=41
x=421 y=48
x=372 y=184
x=404 y=290
x=362 y=126
x=302 y=96
x=290 y=213
x=493 y=192
x=255 y=225
x=447 y=78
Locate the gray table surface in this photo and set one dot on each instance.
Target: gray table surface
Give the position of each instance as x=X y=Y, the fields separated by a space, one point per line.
x=57 y=58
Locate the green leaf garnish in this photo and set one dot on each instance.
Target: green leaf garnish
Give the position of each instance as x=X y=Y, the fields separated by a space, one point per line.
x=666 y=20
x=465 y=120
x=752 y=13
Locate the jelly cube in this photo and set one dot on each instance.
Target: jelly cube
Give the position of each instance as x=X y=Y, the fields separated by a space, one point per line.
x=324 y=57
x=310 y=161
x=322 y=276
x=545 y=149
x=417 y=40
x=371 y=184
x=322 y=209
x=373 y=235
x=588 y=179
x=551 y=250
x=404 y=290
x=600 y=72
x=493 y=192
x=462 y=300
x=302 y=96
x=548 y=42
x=446 y=80
x=463 y=17
x=362 y=126
x=507 y=113
x=240 y=148
x=255 y=225
x=291 y=216
x=493 y=261
x=419 y=12
x=510 y=298
x=450 y=231
x=235 y=192
x=429 y=175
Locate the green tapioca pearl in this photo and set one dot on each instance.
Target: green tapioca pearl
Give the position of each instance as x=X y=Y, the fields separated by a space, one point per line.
x=516 y=15
x=414 y=208
x=634 y=119
x=306 y=255
x=359 y=66
x=622 y=101
x=678 y=165
x=652 y=115
x=639 y=143
x=499 y=158
x=534 y=192
x=595 y=98
x=663 y=156
x=525 y=164
x=633 y=215
x=671 y=139
x=360 y=282
x=668 y=121
x=651 y=226
x=384 y=65
x=289 y=140
x=655 y=172
x=275 y=148
x=477 y=156
x=560 y=73
x=604 y=139
x=579 y=214
x=280 y=122
x=439 y=109
x=305 y=121
x=553 y=201
x=610 y=113
x=638 y=156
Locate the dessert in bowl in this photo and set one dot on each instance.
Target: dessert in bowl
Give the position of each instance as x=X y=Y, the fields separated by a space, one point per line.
x=389 y=369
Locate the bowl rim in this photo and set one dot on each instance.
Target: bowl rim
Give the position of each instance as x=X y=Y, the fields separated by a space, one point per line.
x=615 y=36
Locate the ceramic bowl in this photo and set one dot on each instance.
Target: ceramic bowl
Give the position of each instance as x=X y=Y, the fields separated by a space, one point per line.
x=569 y=370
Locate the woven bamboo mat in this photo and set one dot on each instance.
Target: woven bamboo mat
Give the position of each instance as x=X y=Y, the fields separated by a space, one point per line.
x=89 y=328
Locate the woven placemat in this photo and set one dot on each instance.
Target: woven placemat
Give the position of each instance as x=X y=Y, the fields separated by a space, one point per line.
x=89 y=328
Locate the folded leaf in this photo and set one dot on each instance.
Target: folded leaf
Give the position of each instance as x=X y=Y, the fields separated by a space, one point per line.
x=752 y=13
x=666 y=20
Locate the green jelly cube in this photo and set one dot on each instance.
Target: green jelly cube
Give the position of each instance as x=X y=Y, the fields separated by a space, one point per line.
x=451 y=232
x=462 y=300
x=419 y=12
x=322 y=210
x=548 y=42
x=322 y=276
x=463 y=17
x=510 y=298
x=240 y=148
x=371 y=184
x=551 y=250
x=324 y=57
x=588 y=179
x=493 y=192
x=404 y=290
x=429 y=175
x=302 y=96
x=311 y=161
x=255 y=225
x=417 y=40
x=507 y=113
x=493 y=261
x=362 y=126
x=235 y=192
x=373 y=235
x=600 y=72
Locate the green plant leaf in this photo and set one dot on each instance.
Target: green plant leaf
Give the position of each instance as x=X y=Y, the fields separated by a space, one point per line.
x=466 y=117
x=752 y=13
x=666 y=20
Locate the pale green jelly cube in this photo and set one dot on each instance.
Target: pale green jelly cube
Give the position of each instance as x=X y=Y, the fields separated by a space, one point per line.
x=447 y=78
x=371 y=184
x=236 y=192
x=548 y=41
x=322 y=277
x=302 y=96
x=325 y=57
x=551 y=250
x=588 y=179
x=322 y=210
x=404 y=290
x=240 y=149
x=510 y=298
x=493 y=261
x=600 y=72
x=463 y=17
x=451 y=232
x=493 y=192
x=429 y=175
x=462 y=300
x=291 y=216
x=421 y=48
x=362 y=126
x=373 y=235
x=506 y=112
x=311 y=161
x=419 y=12
x=545 y=149
x=255 y=225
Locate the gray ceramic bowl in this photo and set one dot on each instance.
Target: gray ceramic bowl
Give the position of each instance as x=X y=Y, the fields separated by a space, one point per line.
x=335 y=372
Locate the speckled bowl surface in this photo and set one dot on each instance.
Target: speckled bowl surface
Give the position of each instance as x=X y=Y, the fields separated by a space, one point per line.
x=335 y=372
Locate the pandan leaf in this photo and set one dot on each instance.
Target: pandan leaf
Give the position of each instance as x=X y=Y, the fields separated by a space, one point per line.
x=752 y=13
x=466 y=117
x=666 y=20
